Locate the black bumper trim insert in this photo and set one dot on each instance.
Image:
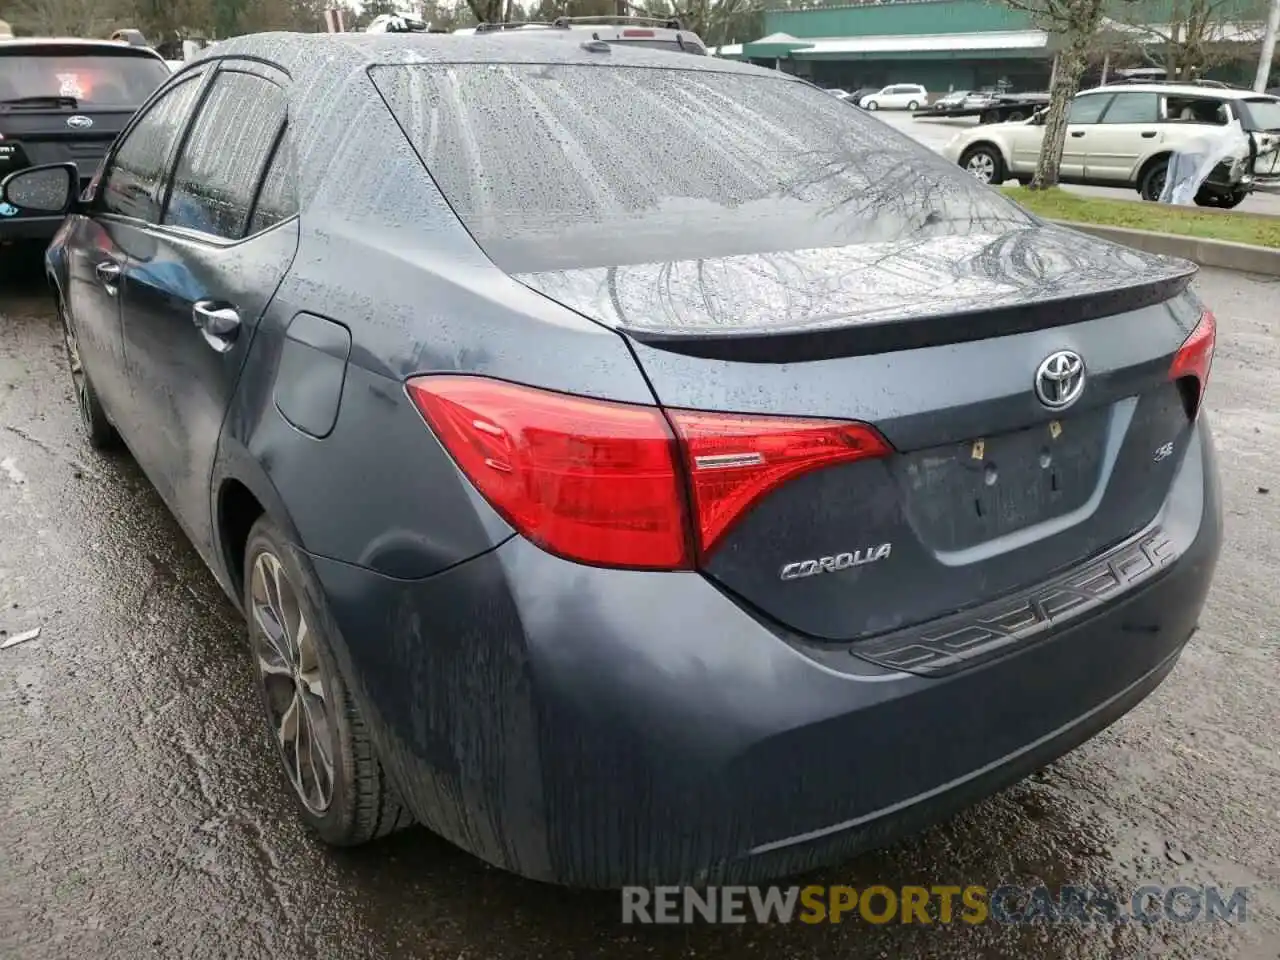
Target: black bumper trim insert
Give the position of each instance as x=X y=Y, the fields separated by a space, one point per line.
x=964 y=639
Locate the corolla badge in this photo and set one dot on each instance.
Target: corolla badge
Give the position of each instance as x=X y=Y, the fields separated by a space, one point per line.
x=840 y=561
x=80 y=122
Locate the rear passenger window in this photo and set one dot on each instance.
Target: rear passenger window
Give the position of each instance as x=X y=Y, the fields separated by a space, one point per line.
x=1196 y=110
x=226 y=151
x=277 y=201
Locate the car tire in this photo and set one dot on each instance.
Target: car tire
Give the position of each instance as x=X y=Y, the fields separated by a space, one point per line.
x=1151 y=182
x=872 y=105
x=93 y=418
x=913 y=106
x=1221 y=201
x=342 y=790
x=985 y=164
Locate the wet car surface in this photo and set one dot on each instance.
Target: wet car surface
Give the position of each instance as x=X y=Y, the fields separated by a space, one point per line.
x=143 y=815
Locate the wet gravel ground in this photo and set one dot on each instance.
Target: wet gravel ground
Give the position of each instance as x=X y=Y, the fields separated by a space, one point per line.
x=141 y=816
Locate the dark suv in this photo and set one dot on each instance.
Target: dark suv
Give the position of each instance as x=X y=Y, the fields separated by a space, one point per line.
x=65 y=100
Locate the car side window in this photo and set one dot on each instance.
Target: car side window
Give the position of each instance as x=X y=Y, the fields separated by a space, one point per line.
x=1087 y=109
x=1196 y=110
x=277 y=201
x=221 y=163
x=1133 y=108
x=132 y=183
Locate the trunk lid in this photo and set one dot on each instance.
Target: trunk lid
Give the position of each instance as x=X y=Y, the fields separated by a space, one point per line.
x=938 y=344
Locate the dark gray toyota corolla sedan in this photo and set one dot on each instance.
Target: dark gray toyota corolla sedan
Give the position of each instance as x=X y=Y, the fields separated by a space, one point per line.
x=635 y=467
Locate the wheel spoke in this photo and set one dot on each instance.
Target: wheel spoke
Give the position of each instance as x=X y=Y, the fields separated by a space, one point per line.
x=273 y=666
x=304 y=761
x=277 y=646
x=309 y=661
x=290 y=720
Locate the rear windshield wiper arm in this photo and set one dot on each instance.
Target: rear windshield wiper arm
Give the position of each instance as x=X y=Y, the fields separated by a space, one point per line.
x=42 y=101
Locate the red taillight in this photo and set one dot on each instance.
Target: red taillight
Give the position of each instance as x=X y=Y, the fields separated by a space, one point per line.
x=638 y=33
x=589 y=480
x=604 y=483
x=733 y=461
x=1194 y=358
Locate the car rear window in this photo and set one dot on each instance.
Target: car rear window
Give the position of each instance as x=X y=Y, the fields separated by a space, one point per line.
x=1265 y=113
x=106 y=80
x=555 y=166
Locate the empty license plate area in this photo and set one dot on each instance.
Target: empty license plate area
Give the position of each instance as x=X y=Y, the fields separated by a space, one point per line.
x=964 y=494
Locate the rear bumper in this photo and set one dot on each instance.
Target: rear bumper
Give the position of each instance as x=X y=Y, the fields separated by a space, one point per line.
x=599 y=727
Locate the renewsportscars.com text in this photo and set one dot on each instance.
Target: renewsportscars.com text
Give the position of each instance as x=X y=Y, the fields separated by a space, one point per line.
x=938 y=904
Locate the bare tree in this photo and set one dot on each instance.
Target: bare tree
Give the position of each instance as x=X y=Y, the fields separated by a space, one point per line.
x=64 y=18
x=1187 y=37
x=1074 y=24
x=716 y=21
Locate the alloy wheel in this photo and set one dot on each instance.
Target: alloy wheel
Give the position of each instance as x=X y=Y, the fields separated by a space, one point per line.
x=982 y=166
x=284 y=649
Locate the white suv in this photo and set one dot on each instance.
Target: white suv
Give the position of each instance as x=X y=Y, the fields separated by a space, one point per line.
x=1124 y=134
x=897 y=96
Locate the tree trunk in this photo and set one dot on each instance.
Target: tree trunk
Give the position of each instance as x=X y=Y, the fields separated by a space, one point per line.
x=1071 y=63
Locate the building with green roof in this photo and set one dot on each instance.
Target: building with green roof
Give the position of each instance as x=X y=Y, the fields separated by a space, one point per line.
x=956 y=44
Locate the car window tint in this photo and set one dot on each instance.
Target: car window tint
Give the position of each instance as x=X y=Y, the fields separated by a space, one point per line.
x=541 y=165
x=277 y=201
x=131 y=185
x=221 y=163
x=1133 y=108
x=1087 y=109
x=1196 y=110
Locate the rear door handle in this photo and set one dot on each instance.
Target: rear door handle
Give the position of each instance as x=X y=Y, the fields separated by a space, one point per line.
x=219 y=323
x=1148 y=134
x=1077 y=133
x=108 y=274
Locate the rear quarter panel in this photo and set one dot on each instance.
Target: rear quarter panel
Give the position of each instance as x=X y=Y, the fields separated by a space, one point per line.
x=383 y=256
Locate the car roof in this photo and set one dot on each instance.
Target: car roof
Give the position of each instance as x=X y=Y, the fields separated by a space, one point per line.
x=1178 y=90
x=306 y=54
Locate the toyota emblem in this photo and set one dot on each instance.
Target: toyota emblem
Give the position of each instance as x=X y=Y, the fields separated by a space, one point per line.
x=1060 y=379
x=80 y=122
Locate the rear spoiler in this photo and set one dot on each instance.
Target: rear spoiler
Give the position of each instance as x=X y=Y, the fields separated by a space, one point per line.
x=797 y=345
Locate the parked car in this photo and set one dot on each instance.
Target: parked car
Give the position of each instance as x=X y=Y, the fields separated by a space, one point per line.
x=65 y=100
x=634 y=527
x=952 y=100
x=1124 y=135
x=899 y=96
x=854 y=97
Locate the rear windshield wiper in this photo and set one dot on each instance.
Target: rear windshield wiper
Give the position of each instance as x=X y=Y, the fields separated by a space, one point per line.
x=43 y=101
